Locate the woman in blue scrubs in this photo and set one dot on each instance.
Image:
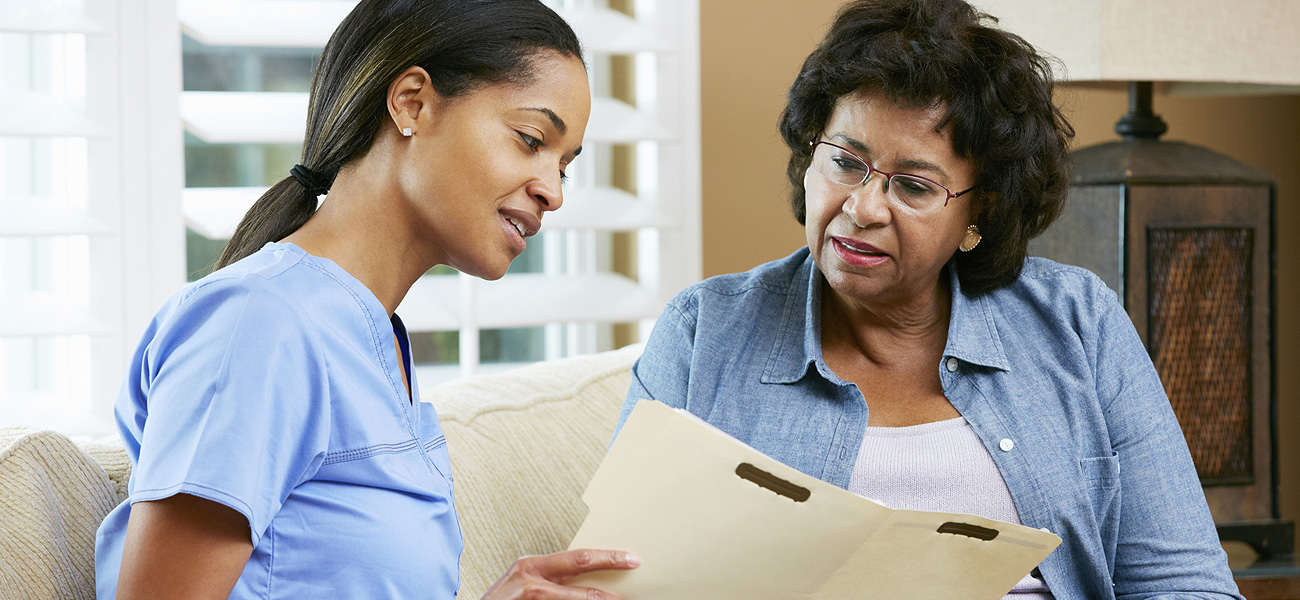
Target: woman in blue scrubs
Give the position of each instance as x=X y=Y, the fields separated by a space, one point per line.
x=278 y=444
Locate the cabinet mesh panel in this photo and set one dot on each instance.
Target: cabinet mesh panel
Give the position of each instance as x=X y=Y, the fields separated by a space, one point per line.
x=1200 y=340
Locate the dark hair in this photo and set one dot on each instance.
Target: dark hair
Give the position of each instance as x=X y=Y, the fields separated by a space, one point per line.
x=463 y=44
x=997 y=91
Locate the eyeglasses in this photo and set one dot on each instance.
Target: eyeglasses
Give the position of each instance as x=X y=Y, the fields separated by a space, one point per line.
x=839 y=165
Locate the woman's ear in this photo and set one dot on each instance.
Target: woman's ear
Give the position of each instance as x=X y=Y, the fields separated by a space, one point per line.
x=411 y=100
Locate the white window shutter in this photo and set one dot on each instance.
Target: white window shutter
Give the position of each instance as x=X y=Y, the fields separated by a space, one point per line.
x=88 y=176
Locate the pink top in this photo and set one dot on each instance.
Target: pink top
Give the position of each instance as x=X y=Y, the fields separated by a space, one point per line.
x=940 y=466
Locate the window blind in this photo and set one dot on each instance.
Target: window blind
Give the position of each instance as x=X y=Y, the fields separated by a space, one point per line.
x=83 y=194
x=97 y=196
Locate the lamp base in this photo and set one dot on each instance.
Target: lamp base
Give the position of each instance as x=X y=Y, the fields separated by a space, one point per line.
x=1273 y=540
x=1141 y=122
x=1185 y=236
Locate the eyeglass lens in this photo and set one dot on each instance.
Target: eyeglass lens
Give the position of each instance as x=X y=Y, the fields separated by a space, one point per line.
x=837 y=165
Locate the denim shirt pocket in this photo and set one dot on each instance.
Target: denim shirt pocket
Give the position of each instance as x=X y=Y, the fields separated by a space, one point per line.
x=1101 y=479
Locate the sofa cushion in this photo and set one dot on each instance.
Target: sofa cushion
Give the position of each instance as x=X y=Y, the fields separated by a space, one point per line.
x=523 y=446
x=52 y=497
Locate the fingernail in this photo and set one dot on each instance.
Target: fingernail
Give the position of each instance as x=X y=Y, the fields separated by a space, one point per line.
x=632 y=560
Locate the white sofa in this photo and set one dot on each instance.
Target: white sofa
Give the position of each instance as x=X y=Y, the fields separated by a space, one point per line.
x=523 y=446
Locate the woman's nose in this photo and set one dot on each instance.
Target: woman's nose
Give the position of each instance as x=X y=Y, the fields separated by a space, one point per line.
x=869 y=203
x=547 y=191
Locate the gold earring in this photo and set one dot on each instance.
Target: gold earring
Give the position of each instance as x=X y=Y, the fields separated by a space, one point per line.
x=971 y=240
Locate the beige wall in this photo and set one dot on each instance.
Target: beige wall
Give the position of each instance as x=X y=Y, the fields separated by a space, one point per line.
x=750 y=51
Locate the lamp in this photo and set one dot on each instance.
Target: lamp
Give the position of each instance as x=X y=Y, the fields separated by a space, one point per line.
x=1185 y=235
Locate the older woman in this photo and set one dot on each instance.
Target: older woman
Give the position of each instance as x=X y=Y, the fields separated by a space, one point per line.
x=912 y=353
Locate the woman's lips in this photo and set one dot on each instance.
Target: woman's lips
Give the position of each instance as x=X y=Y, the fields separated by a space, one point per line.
x=526 y=223
x=516 y=240
x=857 y=253
x=519 y=225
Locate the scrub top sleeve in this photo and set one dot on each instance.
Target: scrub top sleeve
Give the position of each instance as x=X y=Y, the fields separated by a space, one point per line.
x=237 y=401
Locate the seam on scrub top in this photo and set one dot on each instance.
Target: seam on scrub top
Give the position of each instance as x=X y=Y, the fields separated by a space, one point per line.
x=374 y=338
x=270 y=561
x=436 y=443
x=439 y=442
x=374 y=330
x=177 y=489
x=360 y=453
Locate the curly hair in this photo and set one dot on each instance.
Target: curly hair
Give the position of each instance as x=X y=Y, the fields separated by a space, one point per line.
x=997 y=94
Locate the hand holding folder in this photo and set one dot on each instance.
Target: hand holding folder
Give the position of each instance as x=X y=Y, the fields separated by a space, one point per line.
x=714 y=519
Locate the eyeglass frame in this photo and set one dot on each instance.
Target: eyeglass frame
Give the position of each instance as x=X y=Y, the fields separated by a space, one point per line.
x=889 y=177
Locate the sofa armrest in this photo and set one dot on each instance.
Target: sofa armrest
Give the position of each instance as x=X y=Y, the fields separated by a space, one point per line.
x=53 y=496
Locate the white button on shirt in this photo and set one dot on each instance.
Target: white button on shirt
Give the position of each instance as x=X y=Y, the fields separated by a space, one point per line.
x=939 y=466
x=952 y=364
x=1006 y=444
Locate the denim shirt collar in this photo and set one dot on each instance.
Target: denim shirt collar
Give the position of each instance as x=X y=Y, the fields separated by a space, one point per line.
x=972 y=332
x=972 y=336
x=800 y=315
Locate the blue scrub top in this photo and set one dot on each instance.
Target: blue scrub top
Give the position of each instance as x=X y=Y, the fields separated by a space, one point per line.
x=272 y=386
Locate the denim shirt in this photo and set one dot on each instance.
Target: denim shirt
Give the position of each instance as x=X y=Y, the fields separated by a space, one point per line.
x=1049 y=372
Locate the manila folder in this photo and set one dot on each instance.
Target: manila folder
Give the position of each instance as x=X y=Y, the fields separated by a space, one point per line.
x=714 y=519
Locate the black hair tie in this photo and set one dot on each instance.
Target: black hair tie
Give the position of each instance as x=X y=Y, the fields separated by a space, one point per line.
x=315 y=184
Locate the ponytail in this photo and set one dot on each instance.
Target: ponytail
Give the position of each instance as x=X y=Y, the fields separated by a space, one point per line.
x=462 y=44
x=279 y=212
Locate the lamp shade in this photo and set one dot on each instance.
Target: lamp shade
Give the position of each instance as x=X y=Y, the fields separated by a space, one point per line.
x=1195 y=41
